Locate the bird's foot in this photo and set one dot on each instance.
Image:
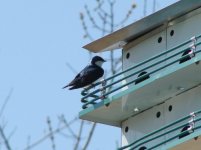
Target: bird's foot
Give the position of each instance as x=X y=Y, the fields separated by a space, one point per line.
x=93 y=85
x=108 y=104
x=103 y=82
x=102 y=97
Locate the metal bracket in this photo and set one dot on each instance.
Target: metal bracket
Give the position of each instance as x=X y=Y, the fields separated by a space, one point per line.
x=103 y=89
x=193 y=46
x=192 y=122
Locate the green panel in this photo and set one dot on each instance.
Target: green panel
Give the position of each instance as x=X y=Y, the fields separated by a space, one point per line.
x=180 y=141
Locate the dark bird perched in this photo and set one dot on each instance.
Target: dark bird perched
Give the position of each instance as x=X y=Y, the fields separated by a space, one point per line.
x=88 y=75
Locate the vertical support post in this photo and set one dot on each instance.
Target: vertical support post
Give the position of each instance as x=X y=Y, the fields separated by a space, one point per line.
x=192 y=122
x=103 y=89
x=193 y=46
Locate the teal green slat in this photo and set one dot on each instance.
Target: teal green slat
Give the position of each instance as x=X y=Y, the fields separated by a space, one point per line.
x=172 y=138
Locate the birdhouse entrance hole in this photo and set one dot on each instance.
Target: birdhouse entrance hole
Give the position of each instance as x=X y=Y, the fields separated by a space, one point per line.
x=142 y=78
x=186 y=58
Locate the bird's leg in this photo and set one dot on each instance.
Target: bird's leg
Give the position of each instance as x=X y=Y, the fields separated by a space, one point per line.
x=103 y=82
x=93 y=85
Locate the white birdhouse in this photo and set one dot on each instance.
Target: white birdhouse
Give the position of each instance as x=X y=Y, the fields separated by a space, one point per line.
x=156 y=99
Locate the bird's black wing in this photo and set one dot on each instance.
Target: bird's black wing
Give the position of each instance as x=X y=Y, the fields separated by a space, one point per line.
x=87 y=76
x=77 y=77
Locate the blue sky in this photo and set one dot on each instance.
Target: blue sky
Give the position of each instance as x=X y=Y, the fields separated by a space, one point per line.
x=37 y=38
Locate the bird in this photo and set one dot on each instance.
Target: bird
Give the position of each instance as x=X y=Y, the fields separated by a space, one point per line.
x=88 y=75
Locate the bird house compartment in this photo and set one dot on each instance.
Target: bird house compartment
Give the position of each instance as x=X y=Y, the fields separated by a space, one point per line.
x=141 y=49
x=151 y=120
x=158 y=42
x=184 y=28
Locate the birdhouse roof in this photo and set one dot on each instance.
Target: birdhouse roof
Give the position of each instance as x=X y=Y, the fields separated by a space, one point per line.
x=131 y=32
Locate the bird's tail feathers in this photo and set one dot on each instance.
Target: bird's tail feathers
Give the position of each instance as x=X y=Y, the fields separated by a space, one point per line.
x=72 y=88
x=65 y=86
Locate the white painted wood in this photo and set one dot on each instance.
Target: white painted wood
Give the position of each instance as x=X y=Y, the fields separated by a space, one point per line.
x=142 y=124
x=142 y=51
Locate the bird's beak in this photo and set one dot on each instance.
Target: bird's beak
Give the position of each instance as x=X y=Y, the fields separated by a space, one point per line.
x=104 y=60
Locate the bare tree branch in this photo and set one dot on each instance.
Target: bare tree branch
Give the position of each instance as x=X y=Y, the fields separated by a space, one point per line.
x=2 y=134
x=87 y=34
x=102 y=14
x=66 y=135
x=71 y=68
x=45 y=137
x=92 y=20
x=127 y=16
x=79 y=135
x=154 y=6
x=100 y=7
x=63 y=120
x=28 y=140
x=12 y=133
x=5 y=139
x=5 y=102
x=89 y=136
x=51 y=133
x=145 y=8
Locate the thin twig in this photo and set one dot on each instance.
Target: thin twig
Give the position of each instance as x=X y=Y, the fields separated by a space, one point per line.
x=154 y=6
x=127 y=16
x=145 y=8
x=93 y=22
x=5 y=102
x=12 y=133
x=51 y=133
x=71 y=68
x=103 y=15
x=5 y=139
x=104 y=21
x=66 y=135
x=99 y=5
x=100 y=8
x=89 y=136
x=111 y=15
x=63 y=120
x=28 y=141
x=87 y=34
x=79 y=135
x=45 y=137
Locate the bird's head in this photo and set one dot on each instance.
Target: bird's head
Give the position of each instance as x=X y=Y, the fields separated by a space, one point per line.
x=97 y=60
